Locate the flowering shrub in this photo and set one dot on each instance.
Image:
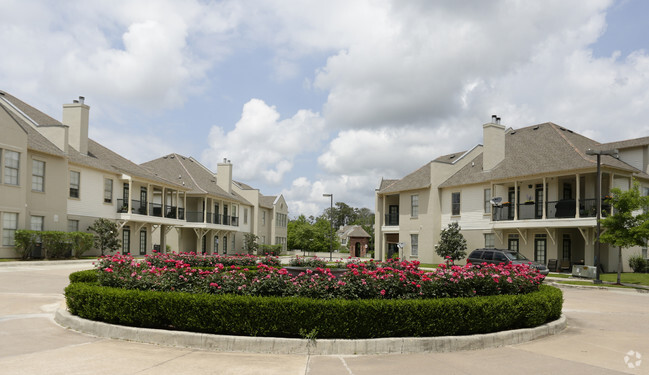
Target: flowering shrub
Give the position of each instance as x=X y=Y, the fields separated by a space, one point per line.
x=362 y=280
x=307 y=262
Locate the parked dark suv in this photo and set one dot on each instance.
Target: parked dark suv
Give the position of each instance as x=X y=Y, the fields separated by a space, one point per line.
x=498 y=256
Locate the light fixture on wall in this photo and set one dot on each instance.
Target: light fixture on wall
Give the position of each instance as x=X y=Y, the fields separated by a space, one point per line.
x=529 y=186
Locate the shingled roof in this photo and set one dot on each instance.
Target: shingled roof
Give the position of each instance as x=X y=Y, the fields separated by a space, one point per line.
x=34 y=114
x=188 y=171
x=538 y=149
x=267 y=201
x=419 y=179
x=629 y=143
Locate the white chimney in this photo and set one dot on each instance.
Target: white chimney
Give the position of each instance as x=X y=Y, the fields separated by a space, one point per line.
x=224 y=175
x=76 y=116
x=494 y=143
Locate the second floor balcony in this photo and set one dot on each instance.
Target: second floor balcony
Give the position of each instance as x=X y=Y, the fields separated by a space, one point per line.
x=391 y=220
x=154 y=209
x=210 y=218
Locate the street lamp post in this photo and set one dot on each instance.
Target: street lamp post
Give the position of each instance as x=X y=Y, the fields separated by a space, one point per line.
x=331 y=240
x=599 y=203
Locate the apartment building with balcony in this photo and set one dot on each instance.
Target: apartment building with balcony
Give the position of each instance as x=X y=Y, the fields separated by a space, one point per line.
x=53 y=177
x=531 y=190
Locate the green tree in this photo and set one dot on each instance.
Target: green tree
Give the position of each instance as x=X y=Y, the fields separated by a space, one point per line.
x=452 y=243
x=628 y=226
x=250 y=244
x=106 y=235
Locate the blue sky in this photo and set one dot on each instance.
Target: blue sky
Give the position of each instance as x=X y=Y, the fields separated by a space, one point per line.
x=313 y=97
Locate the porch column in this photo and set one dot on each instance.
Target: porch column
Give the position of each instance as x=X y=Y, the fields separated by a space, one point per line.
x=163 y=238
x=130 y=196
x=545 y=201
x=577 y=197
x=149 y=197
x=204 y=209
x=515 y=200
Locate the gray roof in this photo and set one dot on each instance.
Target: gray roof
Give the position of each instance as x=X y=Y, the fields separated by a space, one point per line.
x=636 y=142
x=419 y=179
x=353 y=231
x=267 y=201
x=100 y=157
x=35 y=140
x=450 y=158
x=39 y=117
x=195 y=177
x=538 y=149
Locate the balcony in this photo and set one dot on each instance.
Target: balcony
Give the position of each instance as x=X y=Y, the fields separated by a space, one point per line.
x=210 y=218
x=562 y=209
x=392 y=220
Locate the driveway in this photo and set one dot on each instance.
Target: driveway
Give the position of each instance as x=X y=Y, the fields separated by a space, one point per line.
x=604 y=327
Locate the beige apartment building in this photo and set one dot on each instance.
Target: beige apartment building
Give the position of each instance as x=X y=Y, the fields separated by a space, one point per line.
x=531 y=189
x=53 y=177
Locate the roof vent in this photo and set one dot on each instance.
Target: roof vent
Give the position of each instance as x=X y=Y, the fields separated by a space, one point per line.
x=512 y=133
x=451 y=157
x=493 y=119
x=536 y=127
x=75 y=101
x=81 y=99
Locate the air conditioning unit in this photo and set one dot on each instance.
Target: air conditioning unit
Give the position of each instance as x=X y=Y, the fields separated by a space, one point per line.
x=589 y=272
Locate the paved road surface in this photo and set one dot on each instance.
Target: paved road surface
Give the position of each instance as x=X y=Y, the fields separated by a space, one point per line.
x=603 y=326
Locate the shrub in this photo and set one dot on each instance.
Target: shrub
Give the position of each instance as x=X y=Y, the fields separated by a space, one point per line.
x=638 y=263
x=273 y=250
x=335 y=318
x=88 y=276
x=307 y=262
x=81 y=242
x=56 y=244
x=25 y=241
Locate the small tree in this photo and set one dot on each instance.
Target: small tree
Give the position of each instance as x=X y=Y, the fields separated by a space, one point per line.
x=81 y=242
x=629 y=224
x=106 y=235
x=250 y=243
x=452 y=243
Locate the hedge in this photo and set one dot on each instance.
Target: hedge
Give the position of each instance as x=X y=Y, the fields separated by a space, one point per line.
x=292 y=316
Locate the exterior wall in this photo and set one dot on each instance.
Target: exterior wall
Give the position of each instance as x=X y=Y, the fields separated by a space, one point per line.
x=362 y=242
x=91 y=194
x=279 y=230
x=13 y=199
x=48 y=203
x=634 y=157
x=264 y=225
x=418 y=225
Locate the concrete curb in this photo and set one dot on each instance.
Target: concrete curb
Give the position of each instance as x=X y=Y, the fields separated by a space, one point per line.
x=39 y=263
x=273 y=345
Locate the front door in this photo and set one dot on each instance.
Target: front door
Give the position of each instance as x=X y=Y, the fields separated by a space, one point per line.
x=540 y=250
x=143 y=200
x=392 y=250
x=393 y=215
x=357 y=249
x=538 y=202
x=513 y=244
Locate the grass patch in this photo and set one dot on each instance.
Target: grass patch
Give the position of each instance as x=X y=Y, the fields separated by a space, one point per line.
x=428 y=265
x=627 y=278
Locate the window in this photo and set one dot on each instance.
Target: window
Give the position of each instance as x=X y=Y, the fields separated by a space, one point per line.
x=74 y=184
x=9 y=227
x=225 y=244
x=245 y=216
x=108 y=190
x=414 y=245
x=12 y=166
x=38 y=175
x=567 y=247
x=281 y=220
x=263 y=217
x=489 y=241
x=143 y=242
x=455 y=204
x=414 y=206
x=36 y=223
x=216 y=244
x=512 y=243
x=263 y=239
x=126 y=240
x=487 y=201
x=73 y=225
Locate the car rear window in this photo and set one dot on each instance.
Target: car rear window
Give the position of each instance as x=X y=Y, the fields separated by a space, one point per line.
x=488 y=255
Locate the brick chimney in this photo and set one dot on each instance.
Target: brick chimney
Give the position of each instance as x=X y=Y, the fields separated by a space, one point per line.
x=224 y=175
x=76 y=116
x=493 y=134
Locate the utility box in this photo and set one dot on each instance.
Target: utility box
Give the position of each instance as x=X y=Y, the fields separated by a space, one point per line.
x=589 y=272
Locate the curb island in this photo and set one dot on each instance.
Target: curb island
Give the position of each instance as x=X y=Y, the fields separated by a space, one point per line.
x=276 y=345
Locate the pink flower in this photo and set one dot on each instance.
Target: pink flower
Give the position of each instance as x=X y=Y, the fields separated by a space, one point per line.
x=382 y=292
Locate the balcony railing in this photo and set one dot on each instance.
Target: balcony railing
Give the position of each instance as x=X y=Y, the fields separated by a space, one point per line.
x=197 y=217
x=391 y=220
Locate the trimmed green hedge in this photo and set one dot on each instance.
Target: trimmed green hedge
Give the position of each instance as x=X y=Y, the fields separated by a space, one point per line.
x=88 y=276
x=292 y=316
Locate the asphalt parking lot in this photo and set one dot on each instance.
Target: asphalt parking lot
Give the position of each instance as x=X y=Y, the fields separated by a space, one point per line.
x=607 y=329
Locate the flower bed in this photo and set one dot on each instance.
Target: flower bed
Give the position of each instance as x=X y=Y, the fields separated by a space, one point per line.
x=363 y=280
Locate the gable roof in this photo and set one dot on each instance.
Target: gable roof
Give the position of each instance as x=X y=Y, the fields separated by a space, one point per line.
x=419 y=179
x=267 y=201
x=192 y=174
x=35 y=140
x=100 y=157
x=32 y=113
x=538 y=149
x=353 y=231
x=636 y=142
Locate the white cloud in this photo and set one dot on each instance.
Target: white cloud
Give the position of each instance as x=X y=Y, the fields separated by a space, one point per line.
x=262 y=146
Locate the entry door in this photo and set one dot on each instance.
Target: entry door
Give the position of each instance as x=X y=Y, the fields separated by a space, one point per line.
x=392 y=249
x=567 y=248
x=357 y=252
x=540 y=250
x=143 y=201
x=510 y=197
x=513 y=244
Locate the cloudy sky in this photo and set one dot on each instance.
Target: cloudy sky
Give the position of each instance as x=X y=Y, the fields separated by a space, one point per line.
x=313 y=97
